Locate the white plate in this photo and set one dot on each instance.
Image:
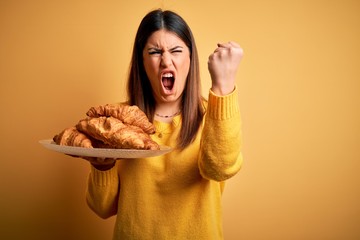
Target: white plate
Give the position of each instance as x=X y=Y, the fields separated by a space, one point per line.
x=104 y=152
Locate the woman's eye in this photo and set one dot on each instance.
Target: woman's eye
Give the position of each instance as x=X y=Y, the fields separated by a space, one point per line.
x=177 y=51
x=154 y=52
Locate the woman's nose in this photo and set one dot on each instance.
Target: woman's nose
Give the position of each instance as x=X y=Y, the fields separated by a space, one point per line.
x=166 y=60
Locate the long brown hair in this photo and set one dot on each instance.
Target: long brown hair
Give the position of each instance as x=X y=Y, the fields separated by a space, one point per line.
x=139 y=87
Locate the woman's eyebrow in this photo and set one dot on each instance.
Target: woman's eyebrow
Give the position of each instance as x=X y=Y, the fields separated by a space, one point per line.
x=158 y=49
x=174 y=48
x=153 y=48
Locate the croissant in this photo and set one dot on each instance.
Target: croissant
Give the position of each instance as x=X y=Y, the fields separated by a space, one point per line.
x=72 y=137
x=112 y=131
x=130 y=115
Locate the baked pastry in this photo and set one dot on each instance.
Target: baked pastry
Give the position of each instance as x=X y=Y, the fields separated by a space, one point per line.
x=115 y=133
x=111 y=126
x=72 y=137
x=131 y=115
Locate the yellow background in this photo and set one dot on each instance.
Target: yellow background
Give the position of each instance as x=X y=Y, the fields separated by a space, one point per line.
x=299 y=88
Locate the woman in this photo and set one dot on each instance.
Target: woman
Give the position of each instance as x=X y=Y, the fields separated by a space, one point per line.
x=177 y=195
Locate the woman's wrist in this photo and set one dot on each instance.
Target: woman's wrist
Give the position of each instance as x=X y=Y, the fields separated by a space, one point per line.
x=104 y=167
x=222 y=90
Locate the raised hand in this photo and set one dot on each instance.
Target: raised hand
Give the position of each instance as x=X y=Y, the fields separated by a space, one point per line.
x=223 y=64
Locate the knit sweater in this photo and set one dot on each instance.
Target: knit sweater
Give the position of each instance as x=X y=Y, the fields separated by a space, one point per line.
x=177 y=195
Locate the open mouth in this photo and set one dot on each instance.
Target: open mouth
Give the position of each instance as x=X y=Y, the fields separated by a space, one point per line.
x=168 y=81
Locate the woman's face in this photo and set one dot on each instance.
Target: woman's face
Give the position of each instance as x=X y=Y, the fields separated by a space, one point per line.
x=166 y=61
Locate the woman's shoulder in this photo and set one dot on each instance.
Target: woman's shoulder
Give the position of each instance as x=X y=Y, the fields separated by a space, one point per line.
x=204 y=103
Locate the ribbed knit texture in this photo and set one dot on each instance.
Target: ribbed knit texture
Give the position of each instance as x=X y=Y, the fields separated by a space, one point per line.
x=223 y=107
x=176 y=196
x=104 y=178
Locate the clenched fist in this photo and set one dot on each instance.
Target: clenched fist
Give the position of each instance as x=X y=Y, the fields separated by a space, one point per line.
x=223 y=64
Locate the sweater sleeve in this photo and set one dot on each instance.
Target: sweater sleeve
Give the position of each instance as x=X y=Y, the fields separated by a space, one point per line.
x=102 y=191
x=220 y=149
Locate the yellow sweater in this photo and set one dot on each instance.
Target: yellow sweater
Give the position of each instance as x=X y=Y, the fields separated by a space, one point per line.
x=176 y=196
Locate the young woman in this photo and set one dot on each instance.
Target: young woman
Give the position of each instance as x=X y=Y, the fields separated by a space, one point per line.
x=177 y=195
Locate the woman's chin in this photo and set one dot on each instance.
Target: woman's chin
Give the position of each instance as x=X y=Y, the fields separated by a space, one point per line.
x=173 y=97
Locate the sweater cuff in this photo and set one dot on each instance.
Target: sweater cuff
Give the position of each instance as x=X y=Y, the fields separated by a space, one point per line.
x=223 y=107
x=103 y=178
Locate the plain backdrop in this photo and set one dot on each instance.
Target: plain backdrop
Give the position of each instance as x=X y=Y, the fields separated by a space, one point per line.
x=299 y=86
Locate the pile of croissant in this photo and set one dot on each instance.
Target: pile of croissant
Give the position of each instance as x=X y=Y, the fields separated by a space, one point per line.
x=110 y=126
